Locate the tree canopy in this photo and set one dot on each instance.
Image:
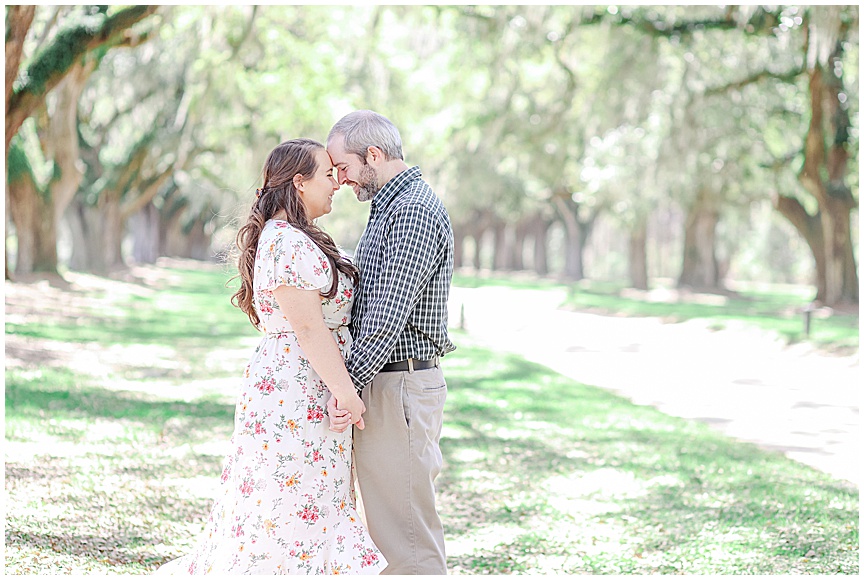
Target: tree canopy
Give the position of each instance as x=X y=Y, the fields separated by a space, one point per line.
x=684 y=137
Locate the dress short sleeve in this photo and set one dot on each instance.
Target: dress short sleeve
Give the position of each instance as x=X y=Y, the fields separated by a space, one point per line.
x=288 y=257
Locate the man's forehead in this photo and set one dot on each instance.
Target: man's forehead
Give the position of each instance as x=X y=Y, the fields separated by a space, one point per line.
x=336 y=148
x=342 y=157
x=337 y=141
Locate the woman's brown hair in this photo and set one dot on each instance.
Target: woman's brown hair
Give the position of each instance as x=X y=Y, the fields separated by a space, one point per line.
x=279 y=193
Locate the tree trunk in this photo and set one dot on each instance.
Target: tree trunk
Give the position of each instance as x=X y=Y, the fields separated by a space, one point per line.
x=6 y=235
x=500 y=246
x=458 y=246
x=699 y=269
x=18 y=21
x=83 y=255
x=70 y=51
x=638 y=254
x=517 y=251
x=33 y=216
x=145 y=234
x=187 y=240
x=58 y=135
x=810 y=228
x=574 y=258
x=576 y=232
x=198 y=241
x=173 y=239
x=826 y=156
x=36 y=213
x=97 y=233
x=841 y=275
x=540 y=232
x=823 y=173
x=478 y=235
x=88 y=240
x=169 y=222
x=114 y=229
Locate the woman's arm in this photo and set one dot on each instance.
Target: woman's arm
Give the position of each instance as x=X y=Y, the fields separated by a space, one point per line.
x=302 y=308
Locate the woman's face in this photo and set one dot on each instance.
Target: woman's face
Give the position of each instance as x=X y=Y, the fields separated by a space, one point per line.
x=316 y=193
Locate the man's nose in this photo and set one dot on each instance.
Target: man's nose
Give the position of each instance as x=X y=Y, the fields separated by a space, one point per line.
x=342 y=176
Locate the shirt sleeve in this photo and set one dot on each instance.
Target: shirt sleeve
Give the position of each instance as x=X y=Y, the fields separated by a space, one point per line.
x=290 y=258
x=411 y=248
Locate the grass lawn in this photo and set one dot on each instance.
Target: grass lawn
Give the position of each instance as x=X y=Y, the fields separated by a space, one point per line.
x=119 y=406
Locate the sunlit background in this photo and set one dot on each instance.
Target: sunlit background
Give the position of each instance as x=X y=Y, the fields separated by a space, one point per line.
x=649 y=145
x=655 y=307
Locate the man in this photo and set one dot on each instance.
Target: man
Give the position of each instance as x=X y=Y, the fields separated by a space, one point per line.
x=399 y=325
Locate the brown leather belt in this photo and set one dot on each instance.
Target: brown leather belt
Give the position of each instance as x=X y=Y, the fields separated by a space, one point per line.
x=409 y=365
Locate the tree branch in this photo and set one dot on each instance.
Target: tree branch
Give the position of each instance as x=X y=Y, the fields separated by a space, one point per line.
x=809 y=226
x=787 y=76
x=18 y=22
x=69 y=45
x=152 y=185
x=761 y=22
x=247 y=30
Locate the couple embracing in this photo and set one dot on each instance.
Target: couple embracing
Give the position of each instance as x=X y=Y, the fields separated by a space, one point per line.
x=346 y=344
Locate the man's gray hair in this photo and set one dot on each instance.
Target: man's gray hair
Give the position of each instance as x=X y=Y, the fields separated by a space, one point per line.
x=364 y=129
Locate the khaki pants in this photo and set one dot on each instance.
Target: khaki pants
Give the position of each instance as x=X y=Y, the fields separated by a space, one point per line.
x=397 y=460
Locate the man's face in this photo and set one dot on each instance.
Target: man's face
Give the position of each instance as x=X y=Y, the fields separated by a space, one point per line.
x=353 y=170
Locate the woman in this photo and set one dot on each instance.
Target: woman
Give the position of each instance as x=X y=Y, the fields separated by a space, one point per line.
x=287 y=503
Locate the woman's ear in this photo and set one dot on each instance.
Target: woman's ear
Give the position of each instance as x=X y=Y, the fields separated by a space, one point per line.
x=298 y=182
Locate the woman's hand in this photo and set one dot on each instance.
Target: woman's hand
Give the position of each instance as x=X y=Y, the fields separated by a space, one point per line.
x=347 y=411
x=340 y=419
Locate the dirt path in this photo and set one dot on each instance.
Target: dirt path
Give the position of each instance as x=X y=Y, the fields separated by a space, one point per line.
x=742 y=381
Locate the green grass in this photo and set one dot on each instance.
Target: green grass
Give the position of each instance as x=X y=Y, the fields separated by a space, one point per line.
x=777 y=309
x=110 y=474
x=585 y=482
x=186 y=309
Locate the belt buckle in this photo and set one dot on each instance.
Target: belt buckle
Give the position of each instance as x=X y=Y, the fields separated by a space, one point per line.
x=410 y=366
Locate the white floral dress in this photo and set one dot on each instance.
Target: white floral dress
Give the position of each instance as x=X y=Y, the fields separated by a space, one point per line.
x=286 y=504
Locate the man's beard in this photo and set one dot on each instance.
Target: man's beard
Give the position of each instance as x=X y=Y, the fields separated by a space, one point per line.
x=368 y=184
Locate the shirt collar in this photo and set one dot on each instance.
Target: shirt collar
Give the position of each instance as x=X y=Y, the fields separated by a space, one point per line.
x=391 y=189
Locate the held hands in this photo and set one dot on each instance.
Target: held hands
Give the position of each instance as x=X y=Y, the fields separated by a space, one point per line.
x=342 y=418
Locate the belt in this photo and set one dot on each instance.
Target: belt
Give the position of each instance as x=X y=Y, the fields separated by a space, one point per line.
x=409 y=365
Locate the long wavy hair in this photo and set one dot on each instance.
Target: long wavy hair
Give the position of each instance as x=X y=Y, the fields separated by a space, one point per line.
x=279 y=193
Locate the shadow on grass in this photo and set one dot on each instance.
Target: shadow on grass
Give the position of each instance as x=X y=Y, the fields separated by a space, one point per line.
x=194 y=308
x=112 y=549
x=148 y=325
x=538 y=469
x=64 y=395
x=109 y=479
x=528 y=449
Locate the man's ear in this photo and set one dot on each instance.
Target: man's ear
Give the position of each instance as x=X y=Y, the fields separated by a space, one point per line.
x=298 y=182
x=374 y=154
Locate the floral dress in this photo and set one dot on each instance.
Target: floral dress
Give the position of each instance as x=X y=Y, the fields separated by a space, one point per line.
x=286 y=504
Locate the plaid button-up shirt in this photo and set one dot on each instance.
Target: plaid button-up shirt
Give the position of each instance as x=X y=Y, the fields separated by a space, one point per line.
x=405 y=257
